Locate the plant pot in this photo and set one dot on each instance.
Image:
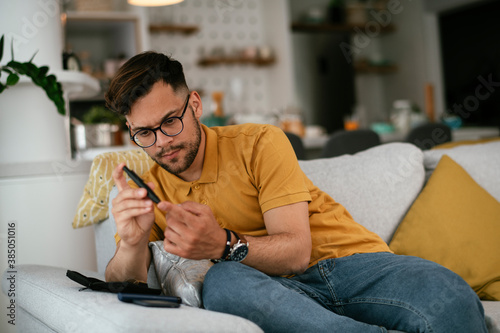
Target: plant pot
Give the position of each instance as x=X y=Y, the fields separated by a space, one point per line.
x=31 y=130
x=96 y=135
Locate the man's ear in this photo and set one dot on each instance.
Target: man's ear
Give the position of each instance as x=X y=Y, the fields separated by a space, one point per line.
x=197 y=105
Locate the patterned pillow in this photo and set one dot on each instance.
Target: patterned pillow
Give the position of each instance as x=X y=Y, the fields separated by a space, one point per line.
x=93 y=206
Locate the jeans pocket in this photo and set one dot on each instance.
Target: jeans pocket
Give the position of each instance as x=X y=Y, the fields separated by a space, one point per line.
x=326 y=266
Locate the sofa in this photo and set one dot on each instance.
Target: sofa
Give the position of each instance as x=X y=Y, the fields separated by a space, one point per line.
x=382 y=187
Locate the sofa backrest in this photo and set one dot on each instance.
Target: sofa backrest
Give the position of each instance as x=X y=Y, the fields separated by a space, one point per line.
x=481 y=161
x=377 y=186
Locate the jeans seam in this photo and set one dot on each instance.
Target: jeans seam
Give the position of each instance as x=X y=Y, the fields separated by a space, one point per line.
x=336 y=304
x=392 y=303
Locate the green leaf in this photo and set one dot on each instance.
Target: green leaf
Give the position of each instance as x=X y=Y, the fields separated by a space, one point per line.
x=12 y=48
x=33 y=56
x=31 y=69
x=12 y=79
x=1 y=47
x=39 y=76
x=43 y=71
x=17 y=66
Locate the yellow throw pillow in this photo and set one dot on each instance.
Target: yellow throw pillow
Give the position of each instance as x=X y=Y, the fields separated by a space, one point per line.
x=93 y=206
x=456 y=223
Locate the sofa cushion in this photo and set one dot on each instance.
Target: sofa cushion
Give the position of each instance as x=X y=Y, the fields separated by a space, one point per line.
x=53 y=299
x=93 y=205
x=481 y=161
x=455 y=223
x=377 y=186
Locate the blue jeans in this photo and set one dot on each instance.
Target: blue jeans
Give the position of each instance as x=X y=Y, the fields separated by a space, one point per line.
x=361 y=293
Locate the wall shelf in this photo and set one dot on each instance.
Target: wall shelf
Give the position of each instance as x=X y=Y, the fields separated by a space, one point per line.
x=173 y=28
x=362 y=68
x=213 y=61
x=328 y=27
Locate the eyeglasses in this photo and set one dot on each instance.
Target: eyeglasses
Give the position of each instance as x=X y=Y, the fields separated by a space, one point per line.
x=171 y=126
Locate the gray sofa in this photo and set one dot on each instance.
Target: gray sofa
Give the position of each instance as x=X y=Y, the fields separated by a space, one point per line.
x=377 y=186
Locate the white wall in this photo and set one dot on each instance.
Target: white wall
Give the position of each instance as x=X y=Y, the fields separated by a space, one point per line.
x=231 y=25
x=42 y=209
x=406 y=47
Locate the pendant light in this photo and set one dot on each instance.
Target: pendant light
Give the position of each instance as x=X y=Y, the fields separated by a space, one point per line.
x=153 y=3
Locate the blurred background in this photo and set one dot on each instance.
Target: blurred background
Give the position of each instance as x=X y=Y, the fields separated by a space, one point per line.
x=311 y=67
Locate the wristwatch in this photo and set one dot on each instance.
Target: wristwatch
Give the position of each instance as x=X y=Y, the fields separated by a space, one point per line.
x=239 y=251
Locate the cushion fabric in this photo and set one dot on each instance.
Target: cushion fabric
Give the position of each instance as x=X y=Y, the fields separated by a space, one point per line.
x=478 y=160
x=455 y=223
x=93 y=205
x=394 y=172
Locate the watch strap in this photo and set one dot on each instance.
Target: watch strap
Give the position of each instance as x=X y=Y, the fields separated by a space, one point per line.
x=228 y=245
x=236 y=235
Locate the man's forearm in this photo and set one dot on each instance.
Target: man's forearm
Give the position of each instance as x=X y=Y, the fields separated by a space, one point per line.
x=129 y=263
x=279 y=254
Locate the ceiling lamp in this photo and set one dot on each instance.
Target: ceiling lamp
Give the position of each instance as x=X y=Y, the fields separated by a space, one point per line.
x=153 y=3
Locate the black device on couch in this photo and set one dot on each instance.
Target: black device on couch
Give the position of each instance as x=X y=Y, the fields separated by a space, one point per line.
x=151 y=300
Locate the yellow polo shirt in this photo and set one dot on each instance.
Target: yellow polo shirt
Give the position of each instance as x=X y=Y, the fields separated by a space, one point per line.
x=250 y=169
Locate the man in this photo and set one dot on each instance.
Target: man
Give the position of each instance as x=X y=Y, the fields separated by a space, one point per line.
x=291 y=258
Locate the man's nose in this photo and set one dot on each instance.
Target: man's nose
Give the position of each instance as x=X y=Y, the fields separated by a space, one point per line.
x=163 y=140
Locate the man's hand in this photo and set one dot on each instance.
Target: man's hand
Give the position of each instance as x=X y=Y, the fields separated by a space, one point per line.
x=192 y=231
x=134 y=217
x=133 y=211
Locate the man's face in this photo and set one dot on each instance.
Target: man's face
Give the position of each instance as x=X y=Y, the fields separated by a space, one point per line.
x=176 y=154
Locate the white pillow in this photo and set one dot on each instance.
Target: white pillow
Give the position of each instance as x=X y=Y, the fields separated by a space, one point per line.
x=481 y=161
x=377 y=186
x=179 y=276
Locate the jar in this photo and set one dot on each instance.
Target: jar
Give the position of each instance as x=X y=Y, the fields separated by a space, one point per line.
x=401 y=115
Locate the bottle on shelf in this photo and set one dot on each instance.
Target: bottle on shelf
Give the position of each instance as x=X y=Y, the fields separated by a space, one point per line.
x=217 y=117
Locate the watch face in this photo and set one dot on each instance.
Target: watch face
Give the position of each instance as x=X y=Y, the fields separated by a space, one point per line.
x=239 y=253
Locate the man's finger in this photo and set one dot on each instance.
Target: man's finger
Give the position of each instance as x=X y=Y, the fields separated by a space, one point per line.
x=194 y=207
x=119 y=178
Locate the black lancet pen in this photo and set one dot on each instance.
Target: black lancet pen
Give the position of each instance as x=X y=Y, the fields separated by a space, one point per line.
x=141 y=183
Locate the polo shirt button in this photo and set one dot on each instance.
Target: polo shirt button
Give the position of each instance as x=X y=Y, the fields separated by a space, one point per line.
x=197 y=187
x=204 y=202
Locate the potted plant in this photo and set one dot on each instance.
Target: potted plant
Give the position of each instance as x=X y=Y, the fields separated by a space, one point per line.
x=98 y=127
x=38 y=75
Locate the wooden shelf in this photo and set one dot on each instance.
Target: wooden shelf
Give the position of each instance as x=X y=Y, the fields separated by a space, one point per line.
x=362 y=68
x=213 y=61
x=184 y=29
x=327 y=27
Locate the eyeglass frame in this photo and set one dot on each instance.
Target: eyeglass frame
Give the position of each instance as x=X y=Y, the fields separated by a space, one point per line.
x=154 y=130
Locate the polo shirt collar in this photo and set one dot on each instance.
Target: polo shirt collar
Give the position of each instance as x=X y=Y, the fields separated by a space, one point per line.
x=210 y=170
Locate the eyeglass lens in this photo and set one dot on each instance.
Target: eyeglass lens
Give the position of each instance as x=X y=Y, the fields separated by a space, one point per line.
x=170 y=127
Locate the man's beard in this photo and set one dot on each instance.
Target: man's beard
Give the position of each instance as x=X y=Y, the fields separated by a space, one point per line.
x=191 y=152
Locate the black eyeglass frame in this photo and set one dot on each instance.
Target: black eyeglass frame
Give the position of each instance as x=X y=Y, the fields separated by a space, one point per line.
x=154 y=130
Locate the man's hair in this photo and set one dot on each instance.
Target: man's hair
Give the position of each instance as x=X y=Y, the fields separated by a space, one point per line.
x=138 y=75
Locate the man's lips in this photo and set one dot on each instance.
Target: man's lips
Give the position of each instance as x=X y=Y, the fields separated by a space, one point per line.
x=171 y=154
